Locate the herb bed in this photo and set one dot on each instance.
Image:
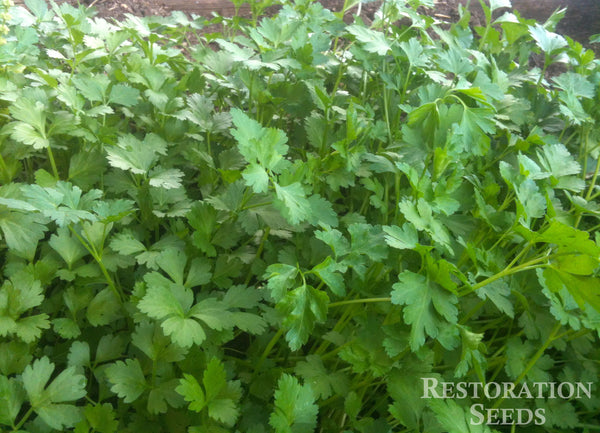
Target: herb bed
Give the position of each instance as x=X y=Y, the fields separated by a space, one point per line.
x=295 y=224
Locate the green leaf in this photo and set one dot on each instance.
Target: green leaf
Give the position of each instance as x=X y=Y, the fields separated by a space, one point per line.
x=258 y=145
x=585 y=290
x=214 y=378
x=559 y=162
x=374 y=42
x=421 y=216
x=38 y=7
x=304 y=307
x=167 y=179
x=519 y=354
x=63 y=203
x=428 y=309
x=498 y=292
x=126 y=244
x=219 y=396
x=151 y=340
x=321 y=212
x=68 y=246
x=18 y=295
x=21 y=232
x=93 y=88
x=532 y=202
x=367 y=240
x=334 y=238
x=164 y=299
x=123 y=95
x=198 y=274
x=331 y=273
x=162 y=396
x=293 y=202
x=14 y=357
x=105 y=308
x=455 y=418
x=549 y=42
x=352 y=405
x=12 y=396
x=322 y=382
x=281 y=278
x=183 y=331
x=256 y=177
x=127 y=379
x=135 y=155
x=568 y=239
x=414 y=51
x=405 y=238
x=213 y=313
x=79 y=354
x=574 y=84
x=31 y=126
x=101 y=418
x=67 y=386
x=295 y=411
x=475 y=126
x=203 y=218
x=173 y=261
x=192 y=392
x=497 y=4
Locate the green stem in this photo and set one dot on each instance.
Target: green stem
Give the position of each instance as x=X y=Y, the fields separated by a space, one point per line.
x=258 y=252
x=588 y=426
x=359 y=301
x=385 y=105
x=593 y=182
x=23 y=420
x=397 y=192
x=532 y=264
x=533 y=360
x=52 y=162
x=472 y=312
x=268 y=349
x=90 y=248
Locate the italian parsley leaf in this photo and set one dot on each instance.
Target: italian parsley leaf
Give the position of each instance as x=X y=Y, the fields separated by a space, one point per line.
x=47 y=400
x=295 y=411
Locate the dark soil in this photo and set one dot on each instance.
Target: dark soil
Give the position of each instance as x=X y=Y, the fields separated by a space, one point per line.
x=581 y=21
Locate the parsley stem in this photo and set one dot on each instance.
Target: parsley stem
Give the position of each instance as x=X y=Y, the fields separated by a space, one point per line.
x=23 y=420
x=98 y=258
x=532 y=264
x=386 y=112
x=359 y=301
x=593 y=182
x=4 y=169
x=472 y=312
x=52 y=162
x=534 y=359
x=589 y=426
x=268 y=349
x=258 y=253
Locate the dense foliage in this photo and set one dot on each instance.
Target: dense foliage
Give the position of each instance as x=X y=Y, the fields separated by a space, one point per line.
x=285 y=225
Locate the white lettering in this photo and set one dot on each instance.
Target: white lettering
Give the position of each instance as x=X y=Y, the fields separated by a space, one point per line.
x=461 y=388
x=507 y=415
x=428 y=388
x=520 y=416
x=540 y=417
x=525 y=390
x=447 y=389
x=587 y=391
x=486 y=390
x=477 y=414
x=571 y=390
x=508 y=390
